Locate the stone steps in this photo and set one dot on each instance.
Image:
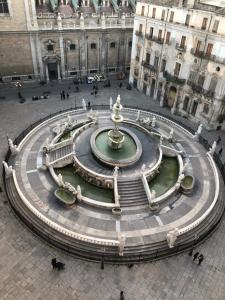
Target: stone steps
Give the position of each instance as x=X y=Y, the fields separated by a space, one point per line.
x=60 y=153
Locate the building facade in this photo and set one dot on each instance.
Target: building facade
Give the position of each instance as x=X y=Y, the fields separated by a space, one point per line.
x=55 y=40
x=178 y=57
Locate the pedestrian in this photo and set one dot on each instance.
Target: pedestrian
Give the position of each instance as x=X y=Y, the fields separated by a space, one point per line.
x=121 y=84
x=67 y=95
x=102 y=263
x=121 y=295
x=130 y=266
x=218 y=140
x=89 y=104
x=96 y=93
x=61 y=94
x=190 y=253
x=220 y=151
x=200 y=259
x=195 y=256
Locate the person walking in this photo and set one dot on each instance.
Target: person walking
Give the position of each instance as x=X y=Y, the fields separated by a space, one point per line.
x=67 y=95
x=61 y=94
x=195 y=256
x=200 y=259
x=121 y=84
x=121 y=295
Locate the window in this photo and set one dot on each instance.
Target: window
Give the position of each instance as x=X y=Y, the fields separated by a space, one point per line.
x=142 y=10
x=130 y=44
x=187 y=20
x=182 y=43
x=160 y=35
x=201 y=80
x=151 y=32
x=204 y=23
x=113 y=45
x=171 y=16
x=209 y=49
x=138 y=51
x=140 y=28
x=168 y=34
x=146 y=77
x=153 y=12
x=198 y=47
x=213 y=84
x=147 y=59
x=186 y=102
x=156 y=61
x=194 y=108
x=215 y=26
x=93 y=46
x=72 y=47
x=177 y=69
x=163 y=65
x=163 y=15
x=206 y=108
x=192 y=76
x=4 y=9
x=50 y=48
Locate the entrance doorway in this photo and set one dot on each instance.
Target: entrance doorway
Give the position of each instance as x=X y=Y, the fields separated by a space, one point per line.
x=52 y=71
x=152 y=88
x=171 y=96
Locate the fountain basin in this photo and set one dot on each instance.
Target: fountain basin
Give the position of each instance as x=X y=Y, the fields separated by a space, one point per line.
x=187 y=184
x=128 y=154
x=64 y=196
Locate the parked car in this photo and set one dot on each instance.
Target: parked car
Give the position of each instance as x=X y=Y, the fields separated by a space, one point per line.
x=96 y=78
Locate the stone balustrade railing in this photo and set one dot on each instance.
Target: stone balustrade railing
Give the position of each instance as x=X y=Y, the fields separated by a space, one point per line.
x=62 y=144
x=212 y=205
x=146 y=188
x=59 y=228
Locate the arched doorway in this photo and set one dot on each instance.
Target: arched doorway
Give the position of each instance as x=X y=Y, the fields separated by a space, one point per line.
x=171 y=96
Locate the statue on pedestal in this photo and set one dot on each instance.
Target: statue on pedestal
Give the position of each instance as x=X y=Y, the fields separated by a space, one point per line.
x=8 y=169
x=172 y=237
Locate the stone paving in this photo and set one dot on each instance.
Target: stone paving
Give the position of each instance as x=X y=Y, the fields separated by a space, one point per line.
x=25 y=259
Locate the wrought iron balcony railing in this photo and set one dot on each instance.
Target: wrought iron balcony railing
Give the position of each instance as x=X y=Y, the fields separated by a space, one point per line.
x=173 y=78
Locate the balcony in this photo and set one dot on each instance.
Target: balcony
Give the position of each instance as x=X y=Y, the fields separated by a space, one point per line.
x=138 y=33
x=154 y=39
x=208 y=56
x=173 y=78
x=148 y=66
x=181 y=48
x=195 y=87
x=197 y=53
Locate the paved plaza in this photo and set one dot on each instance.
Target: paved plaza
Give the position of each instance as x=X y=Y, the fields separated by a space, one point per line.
x=26 y=271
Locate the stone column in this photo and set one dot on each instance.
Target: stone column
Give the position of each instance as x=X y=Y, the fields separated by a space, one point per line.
x=58 y=70
x=61 y=45
x=46 y=70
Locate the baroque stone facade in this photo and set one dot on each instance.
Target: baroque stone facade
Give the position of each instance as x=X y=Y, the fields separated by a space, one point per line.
x=54 y=40
x=178 y=57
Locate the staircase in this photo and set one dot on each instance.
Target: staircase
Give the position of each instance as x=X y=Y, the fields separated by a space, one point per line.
x=132 y=193
x=60 y=153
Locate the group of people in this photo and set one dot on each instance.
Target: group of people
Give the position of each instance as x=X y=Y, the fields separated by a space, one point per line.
x=197 y=256
x=64 y=95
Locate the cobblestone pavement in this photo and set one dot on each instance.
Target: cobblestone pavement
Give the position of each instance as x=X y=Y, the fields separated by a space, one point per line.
x=25 y=268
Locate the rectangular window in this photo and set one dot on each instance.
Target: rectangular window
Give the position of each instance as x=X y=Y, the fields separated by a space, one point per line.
x=142 y=10
x=168 y=34
x=177 y=69
x=156 y=61
x=163 y=15
x=201 y=80
x=4 y=9
x=204 y=23
x=192 y=76
x=113 y=45
x=186 y=102
x=163 y=65
x=209 y=49
x=85 y=3
x=140 y=28
x=50 y=48
x=151 y=32
x=187 y=20
x=206 y=108
x=215 y=26
x=160 y=35
x=183 y=41
x=153 y=12
x=72 y=47
x=194 y=108
x=171 y=16
x=93 y=46
x=147 y=60
x=198 y=47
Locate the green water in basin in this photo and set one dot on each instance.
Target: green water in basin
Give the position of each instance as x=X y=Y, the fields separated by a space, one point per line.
x=87 y=189
x=126 y=151
x=66 y=135
x=167 y=177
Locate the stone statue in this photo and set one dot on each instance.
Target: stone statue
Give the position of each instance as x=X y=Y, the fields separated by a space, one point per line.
x=171 y=134
x=13 y=148
x=110 y=103
x=143 y=167
x=122 y=240
x=198 y=132
x=8 y=169
x=153 y=121
x=213 y=148
x=60 y=180
x=79 y=192
x=57 y=130
x=84 y=104
x=138 y=115
x=69 y=121
x=172 y=237
x=70 y=188
x=115 y=171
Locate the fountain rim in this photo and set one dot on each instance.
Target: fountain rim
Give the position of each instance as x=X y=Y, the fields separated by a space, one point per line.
x=118 y=162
